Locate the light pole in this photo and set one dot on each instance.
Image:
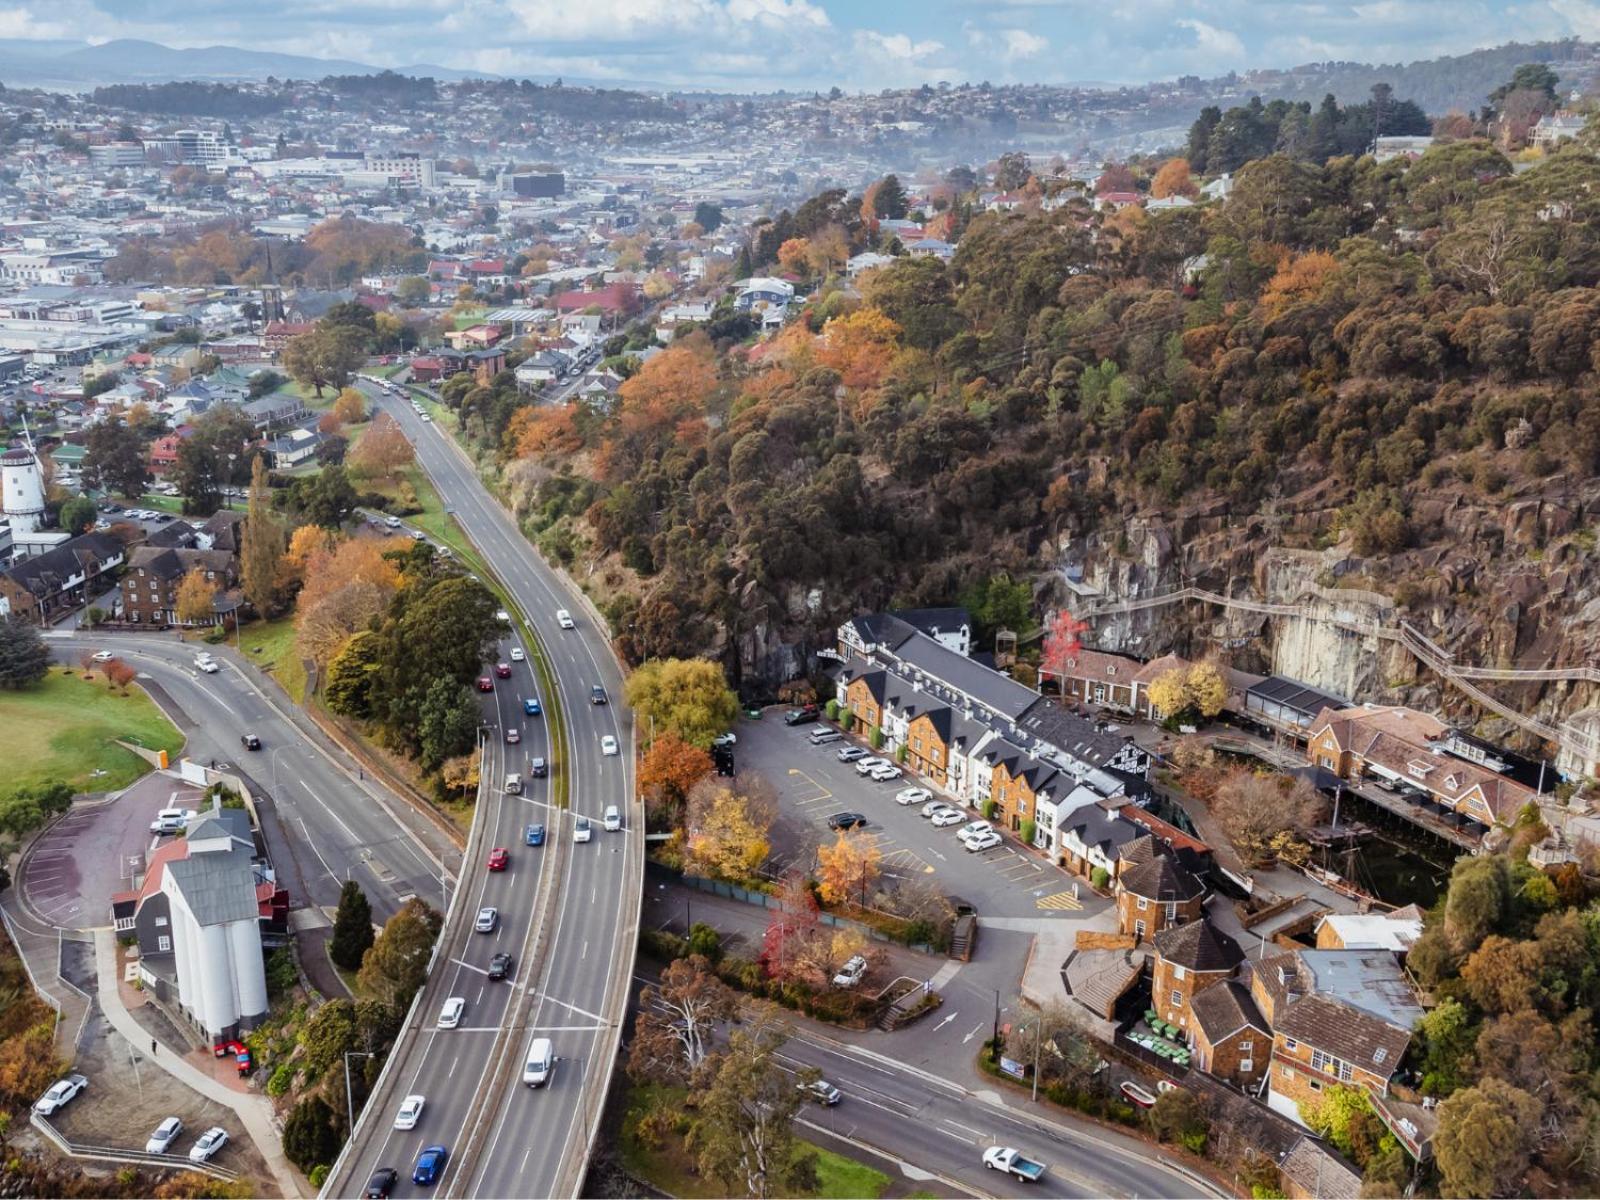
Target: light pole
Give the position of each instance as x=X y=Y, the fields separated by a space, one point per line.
x=1038 y=1036
x=349 y=1101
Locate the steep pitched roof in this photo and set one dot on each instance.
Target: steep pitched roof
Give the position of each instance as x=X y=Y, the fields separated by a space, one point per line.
x=1198 y=946
x=1162 y=880
x=1221 y=1011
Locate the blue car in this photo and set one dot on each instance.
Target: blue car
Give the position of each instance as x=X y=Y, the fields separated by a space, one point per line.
x=531 y=706
x=534 y=835
x=430 y=1165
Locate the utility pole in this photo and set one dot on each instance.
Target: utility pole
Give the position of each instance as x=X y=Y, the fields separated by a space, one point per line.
x=349 y=1101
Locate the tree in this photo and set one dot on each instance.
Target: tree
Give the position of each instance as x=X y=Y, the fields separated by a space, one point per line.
x=1262 y=814
x=325 y=1038
x=997 y=603
x=413 y=290
x=847 y=869
x=1477 y=900
x=1177 y=1116
x=686 y=696
x=78 y=515
x=1189 y=690
x=889 y=199
x=383 y=451
x=114 y=458
x=1012 y=171
x=28 y=1063
x=261 y=544
x=194 y=601
x=726 y=830
x=396 y=965
x=791 y=928
x=708 y=216
x=669 y=769
x=677 y=1020
x=311 y=1137
x=348 y=585
x=1447 y=1035
x=326 y=357
x=1485 y=1138
x=348 y=690
x=24 y=657
x=213 y=457
x=742 y=1133
x=448 y=722
x=352 y=928
x=1173 y=179
x=350 y=408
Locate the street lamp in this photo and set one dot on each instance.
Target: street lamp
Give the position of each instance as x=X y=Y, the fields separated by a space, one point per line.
x=1038 y=1036
x=349 y=1101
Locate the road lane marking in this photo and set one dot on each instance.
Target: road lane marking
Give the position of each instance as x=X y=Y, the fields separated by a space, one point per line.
x=454 y=1063
x=1059 y=902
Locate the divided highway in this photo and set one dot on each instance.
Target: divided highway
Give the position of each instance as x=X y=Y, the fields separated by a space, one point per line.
x=568 y=911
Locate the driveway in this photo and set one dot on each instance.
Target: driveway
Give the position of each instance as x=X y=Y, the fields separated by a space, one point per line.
x=813 y=784
x=97 y=850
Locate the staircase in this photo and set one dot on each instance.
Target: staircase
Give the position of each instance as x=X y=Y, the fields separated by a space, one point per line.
x=962 y=937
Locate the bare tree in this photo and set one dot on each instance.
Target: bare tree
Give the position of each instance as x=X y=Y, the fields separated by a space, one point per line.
x=678 y=1017
x=1264 y=814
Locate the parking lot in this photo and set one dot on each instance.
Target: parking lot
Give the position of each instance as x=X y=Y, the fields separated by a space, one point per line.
x=813 y=784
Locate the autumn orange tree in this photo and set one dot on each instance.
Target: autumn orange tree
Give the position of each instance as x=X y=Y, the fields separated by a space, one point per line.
x=860 y=346
x=725 y=834
x=193 y=602
x=383 y=451
x=535 y=430
x=345 y=588
x=669 y=769
x=1173 y=179
x=351 y=407
x=847 y=869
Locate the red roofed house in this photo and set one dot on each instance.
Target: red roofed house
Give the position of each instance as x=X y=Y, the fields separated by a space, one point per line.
x=615 y=298
x=277 y=334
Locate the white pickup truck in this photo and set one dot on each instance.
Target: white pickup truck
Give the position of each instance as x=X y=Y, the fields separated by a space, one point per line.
x=1012 y=1162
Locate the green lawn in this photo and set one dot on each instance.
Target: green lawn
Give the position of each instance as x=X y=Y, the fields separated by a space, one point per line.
x=670 y=1167
x=63 y=729
x=171 y=504
x=270 y=645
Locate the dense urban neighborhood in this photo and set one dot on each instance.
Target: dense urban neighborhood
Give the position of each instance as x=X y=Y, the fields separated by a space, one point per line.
x=571 y=639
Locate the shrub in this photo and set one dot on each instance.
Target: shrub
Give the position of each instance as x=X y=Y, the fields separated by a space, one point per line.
x=988 y=808
x=1099 y=877
x=705 y=941
x=875 y=738
x=847 y=720
x=282 y=1077
x=1027 y=831
x=319 y=1174
x=900 y=753
x=661 y=945
x=831 y=710
x=281 y=973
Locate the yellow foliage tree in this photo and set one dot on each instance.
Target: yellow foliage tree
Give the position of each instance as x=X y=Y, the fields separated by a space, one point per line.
x=686 y=696
x=847 y=869
x=1207 y=689
x=350 y=408
x=795 y=255
x=1173 y=179
x=860 y=346
x=727 y=835
x=193 y=601
x=345 y=587
x=830 y=247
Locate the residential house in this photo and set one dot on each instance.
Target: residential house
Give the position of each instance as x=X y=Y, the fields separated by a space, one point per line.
x=1189 y=959
x=275 y=411
x=44 y=586
x=1312 y=1171
x=222 y=530
x=294 y=447
x=475 y=337
x=931 y=247
x=1231 y=1038
x=1554 y=128
x=867 y=260
x=541 y=368
x=1395 y=931
x=1092 y=837
x=1155 y=893
x=277 y=334
x=150 y=584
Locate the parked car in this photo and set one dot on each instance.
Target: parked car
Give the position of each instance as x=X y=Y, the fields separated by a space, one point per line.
x=933 y=806
x=430 y=1165
x=500 y=965
x=534 y=835
x=865 y=766
x=564 y=618
x=852 y=973
x=612 y=819
x=798 y=716
x=820 y=1091
x=885 y=773
x=209 y=1142
x=488 y=919
x=947 y=816
x=822 y=735
x=582 y=830
x=166 y=1133
x=726 y=739
x=410 y=1112
x=982 y=841
x=846 y=820
x=974 y=829
x=60 y=1095
x=380 y=1184
x=851 y=753
x=450 y=1014
x=499 y=858
x=608 y=745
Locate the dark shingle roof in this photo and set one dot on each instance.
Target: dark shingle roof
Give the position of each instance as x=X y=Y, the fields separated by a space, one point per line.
x=1199 y=946
x=1225 y=1008
x=1163 y=880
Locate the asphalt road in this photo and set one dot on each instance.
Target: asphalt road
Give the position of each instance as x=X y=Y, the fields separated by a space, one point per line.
x=322 y=821
x=506 y=1140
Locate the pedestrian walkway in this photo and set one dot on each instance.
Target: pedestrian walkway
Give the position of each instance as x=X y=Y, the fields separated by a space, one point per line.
x=253 y=1111
x=1059 y=902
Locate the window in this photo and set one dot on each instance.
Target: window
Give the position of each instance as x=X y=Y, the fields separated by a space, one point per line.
x=1290 y=1044
x=163 y=944
x=1380 y=1054
x=1246 y=1065
x=1143 y=904
x=1177 y=997
x=161 y=922
x=1177 y=971
x=1172 y=911
x=1138 y=930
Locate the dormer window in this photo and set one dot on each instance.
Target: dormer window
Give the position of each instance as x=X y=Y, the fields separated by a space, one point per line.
x=1419 y=768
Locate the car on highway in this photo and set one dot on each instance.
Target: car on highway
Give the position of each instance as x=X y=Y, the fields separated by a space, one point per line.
x=820 y=1091
x=102 y=656
x=534 y=835
x=166 y=1133
x=582 y=830
x=513 y=736
x=500 y=965
x=538 y=768
x=799 y=716
x=410 y=1112
x=866 y=766
x=608 y=745
x=60 y=1095
x=885 y=773
x=612 y=820
x=488 y=919
x=846 y=820
x=564 y=618
x=502 y=670
x=597 y=695
x=852 y=973
x=531 y=706
x=207 y=666
x=982 y=841
x=430 y=1165
x=450 y=1014
x=947 y=816
x=485 y=684
x=250 y=741
x=517 y=655
x=499 y=858
x=851 y=753
x=380 y=1184
x=209 y=1142
x=502 y=616
x=913 y=795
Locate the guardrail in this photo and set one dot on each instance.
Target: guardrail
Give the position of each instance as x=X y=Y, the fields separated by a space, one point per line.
x=116 y=1154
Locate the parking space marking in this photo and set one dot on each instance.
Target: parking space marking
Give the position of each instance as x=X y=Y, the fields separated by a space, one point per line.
x=1059 y=902
x=823 y=793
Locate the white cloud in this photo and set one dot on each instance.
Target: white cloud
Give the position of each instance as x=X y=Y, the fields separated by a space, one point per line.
x=645 y=20
x=1222 y=44
x=897 y=45
x=1021 y=44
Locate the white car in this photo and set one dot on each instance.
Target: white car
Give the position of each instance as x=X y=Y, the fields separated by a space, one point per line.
x=982 y=841
x=933 y=806
x=210 y=1142
x=944 y=817
x=582 y=830
x=868 y=765
x=612 y=819
x=885 y=773
x=502 y=616
x=410 y=1112
x=517 y=655
x=608 y=744
x=450 y=1014
x=849 y=753
x=852 y=973
x=102 y=656
x=60 y=1094
x=488 y=919
x=974 y=829
x=564 y=618
x=166 y=1133
x=725 y=739
x=913 y=795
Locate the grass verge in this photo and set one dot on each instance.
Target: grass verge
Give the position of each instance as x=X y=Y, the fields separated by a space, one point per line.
x=64 y=729
x=270 y=645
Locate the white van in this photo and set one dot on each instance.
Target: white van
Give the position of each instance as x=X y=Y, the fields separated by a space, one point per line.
x=541 y=1060
x=513 y=785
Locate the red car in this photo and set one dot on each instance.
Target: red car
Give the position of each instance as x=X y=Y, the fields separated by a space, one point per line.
x=513 y=736
x=499 y=858
x=485 y=684
x=503 y=670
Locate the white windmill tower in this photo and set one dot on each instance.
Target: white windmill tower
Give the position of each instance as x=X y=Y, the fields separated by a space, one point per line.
x=22 y=486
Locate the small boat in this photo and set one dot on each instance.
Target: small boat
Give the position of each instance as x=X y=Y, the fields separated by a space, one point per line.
x=1137 y=1094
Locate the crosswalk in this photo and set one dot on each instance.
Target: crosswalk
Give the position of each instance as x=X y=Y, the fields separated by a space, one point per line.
x=1059 y=902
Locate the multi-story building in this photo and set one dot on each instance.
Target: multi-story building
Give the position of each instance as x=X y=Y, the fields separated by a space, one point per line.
x=150 y=584
x=1154 y=893
x=1189 y=959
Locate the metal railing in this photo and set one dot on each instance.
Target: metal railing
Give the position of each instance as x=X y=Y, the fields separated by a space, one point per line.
x=117 y=1154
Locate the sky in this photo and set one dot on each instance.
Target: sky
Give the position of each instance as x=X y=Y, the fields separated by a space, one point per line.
x=768 y=45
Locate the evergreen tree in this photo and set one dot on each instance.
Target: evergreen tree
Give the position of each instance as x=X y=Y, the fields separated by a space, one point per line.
x=262 y=544
x=890 y=199
x=352 y=927
x=24 y=658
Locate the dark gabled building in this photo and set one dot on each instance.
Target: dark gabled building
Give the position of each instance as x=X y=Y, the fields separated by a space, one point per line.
x=42 y=587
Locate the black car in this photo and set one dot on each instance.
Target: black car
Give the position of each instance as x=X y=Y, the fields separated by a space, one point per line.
x=597 y=694
x=798 y=716
x=500 y=965
x=538 y=768
x=250 y=741
x=381 y=1183
x=847 y=820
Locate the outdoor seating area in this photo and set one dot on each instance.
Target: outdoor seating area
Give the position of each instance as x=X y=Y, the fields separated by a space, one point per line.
x=1161 y=1038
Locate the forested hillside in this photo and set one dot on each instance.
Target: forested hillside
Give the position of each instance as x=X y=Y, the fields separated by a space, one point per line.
x=1386 y=359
